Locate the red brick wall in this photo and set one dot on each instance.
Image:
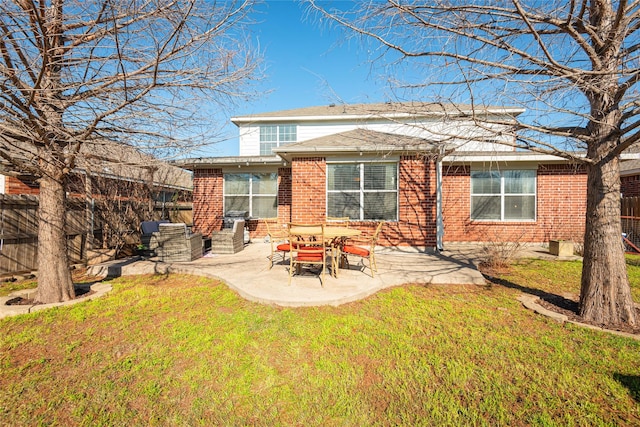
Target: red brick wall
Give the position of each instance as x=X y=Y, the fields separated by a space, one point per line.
x=207 y=200
x=416 y=197
x=13 y=186
x=561 y=206
x=302 y=199
x=308 y=190
x=416 y=225
x=284 y=195
x=208 y=203
x=630 y=185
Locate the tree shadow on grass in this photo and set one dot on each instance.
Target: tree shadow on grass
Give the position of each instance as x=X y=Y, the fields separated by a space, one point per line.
x=555 y=299
x=631 y=382
x=565 y=305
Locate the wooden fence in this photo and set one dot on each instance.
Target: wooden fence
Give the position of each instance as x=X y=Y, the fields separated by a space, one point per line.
x=19 y=231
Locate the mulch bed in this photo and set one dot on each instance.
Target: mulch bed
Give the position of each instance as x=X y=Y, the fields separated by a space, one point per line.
x=570 y=308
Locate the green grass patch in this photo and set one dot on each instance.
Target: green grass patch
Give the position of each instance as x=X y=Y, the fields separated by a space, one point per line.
x=183 y=350
x=8 y=287
x=562 y=276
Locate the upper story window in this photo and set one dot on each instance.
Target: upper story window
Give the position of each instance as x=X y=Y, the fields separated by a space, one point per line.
x=272 y=136
x=363 y=191
x=508 y=195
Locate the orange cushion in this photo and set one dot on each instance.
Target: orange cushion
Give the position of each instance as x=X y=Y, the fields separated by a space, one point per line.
x=355 y=250
x=310 y=257
x=283 y=247
x=287 y=246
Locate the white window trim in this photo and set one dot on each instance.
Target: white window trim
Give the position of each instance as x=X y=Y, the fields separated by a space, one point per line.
x=278 y=142
x=250 y=194
x=362 y=191
x=502 y=196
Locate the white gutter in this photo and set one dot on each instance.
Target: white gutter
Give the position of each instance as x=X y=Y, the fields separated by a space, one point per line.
x=496 y=156
x=439 y=218
x=515 y=156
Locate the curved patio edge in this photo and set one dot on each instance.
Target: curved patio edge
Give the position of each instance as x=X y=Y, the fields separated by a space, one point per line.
x=248 y=274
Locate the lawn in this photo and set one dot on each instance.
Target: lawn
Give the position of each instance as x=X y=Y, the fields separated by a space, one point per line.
x=183 y=350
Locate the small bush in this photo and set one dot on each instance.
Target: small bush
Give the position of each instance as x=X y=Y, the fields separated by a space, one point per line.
x=499 y=255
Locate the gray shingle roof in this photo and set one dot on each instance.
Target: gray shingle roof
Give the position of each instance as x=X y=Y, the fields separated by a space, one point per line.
x=385 y=109
x=358 y=140
x=117 y=160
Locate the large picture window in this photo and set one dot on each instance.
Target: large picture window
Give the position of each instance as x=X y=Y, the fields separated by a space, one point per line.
x=272 y=136
x=256 y=193
x=363 y=191
x=508 y=195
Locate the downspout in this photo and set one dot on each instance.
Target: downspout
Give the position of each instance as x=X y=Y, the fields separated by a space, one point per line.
x=439 y=219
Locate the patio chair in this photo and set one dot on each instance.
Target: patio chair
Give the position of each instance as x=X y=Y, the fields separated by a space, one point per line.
x=147 y=228
x=278 y=238
x=307 y=247
x=173 y=242
x=340 y=221
x=228 y=240
x=354 y=247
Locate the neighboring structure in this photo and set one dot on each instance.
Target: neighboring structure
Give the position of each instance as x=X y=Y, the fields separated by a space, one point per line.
x=436 y=173
x=630 y=178
x=111 y=162
x=111 y=191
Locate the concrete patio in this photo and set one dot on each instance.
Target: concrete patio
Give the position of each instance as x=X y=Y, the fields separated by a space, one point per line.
x=247 y=272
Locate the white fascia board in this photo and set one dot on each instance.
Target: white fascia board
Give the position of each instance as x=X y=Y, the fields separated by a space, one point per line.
x=208 y=162
x=331 y=151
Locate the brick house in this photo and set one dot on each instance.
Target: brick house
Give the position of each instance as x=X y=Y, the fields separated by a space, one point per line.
x=430 y=170
x=630 y=178
x=117 y=165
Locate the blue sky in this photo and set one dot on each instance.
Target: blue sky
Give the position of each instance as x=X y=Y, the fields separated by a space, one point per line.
x=306 y=64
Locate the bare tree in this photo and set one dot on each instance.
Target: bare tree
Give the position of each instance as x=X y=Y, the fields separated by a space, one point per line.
x=130 y=71
x=574 y=64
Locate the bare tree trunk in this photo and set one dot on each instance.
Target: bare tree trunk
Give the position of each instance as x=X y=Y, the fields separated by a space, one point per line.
x=54 y=276
x=605 y=295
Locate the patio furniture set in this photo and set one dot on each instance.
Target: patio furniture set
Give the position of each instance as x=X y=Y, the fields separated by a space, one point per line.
x=314 y=244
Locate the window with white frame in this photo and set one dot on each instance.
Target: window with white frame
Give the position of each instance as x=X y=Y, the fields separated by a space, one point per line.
x=272 y=136
x=363 y=191
x=508 y=195
x=256 y=193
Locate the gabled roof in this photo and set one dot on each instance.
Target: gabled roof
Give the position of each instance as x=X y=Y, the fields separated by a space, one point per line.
x=630 y=167
x=124 y=161
x=115 y=160
x=358 y=141
x=630 y=164
x=379 y=110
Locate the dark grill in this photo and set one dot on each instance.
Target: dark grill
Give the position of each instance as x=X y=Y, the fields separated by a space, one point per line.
x=230 y=217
